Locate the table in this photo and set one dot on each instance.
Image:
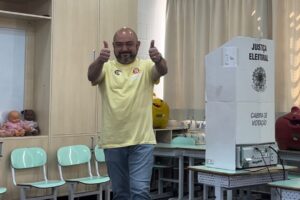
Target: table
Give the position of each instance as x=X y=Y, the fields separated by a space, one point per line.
x=285 y=190
x=181 y=151
x=289 y=155
x=223 y=179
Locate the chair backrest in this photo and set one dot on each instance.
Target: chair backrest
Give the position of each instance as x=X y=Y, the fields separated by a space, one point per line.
x=26 y=158
x=73 y=155
x=183 y=140
x=99 y=157
x=22 y=158
x=99 y=154
x=2 y=190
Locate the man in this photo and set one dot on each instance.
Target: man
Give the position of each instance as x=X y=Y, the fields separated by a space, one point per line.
x=126 y=86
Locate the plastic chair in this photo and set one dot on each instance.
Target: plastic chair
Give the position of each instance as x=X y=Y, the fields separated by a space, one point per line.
x=180 y=140
x=100 y=158
x=74 y=156
x=29 y=158
x=2 y=190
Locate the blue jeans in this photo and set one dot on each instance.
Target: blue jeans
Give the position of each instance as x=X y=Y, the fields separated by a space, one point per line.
x=130 y=170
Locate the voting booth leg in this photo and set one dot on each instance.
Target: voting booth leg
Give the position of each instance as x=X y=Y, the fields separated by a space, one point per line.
x=191 y=180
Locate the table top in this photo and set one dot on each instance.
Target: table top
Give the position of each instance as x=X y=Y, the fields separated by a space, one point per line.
x=289 y=155
x=178 y=146
x=256 y=170
x=293 y=184
x=290 y=151
x=171 y=128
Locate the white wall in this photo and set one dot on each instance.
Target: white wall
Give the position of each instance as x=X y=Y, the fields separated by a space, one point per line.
x=12 y=57
x=151 y=26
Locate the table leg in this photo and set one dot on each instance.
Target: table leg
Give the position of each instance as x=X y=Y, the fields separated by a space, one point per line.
x=229 y=194
x=191 y=179
x=205 y=192
x=160 y=182
x=276 y=195
x=248 y=194
x=218 y=193
x=181 y=177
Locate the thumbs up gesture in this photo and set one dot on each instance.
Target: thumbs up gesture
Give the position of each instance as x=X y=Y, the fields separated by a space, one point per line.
x=154 y=53
x=104 y=53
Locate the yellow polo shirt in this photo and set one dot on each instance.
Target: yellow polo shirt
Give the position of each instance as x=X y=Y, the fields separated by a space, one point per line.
x=126 y=92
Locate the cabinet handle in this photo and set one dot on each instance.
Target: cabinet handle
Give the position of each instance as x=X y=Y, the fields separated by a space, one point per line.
x=92 y=143
x=94 y=54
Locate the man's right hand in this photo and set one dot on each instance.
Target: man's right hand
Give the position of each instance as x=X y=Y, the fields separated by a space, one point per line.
x=104 y=53
x=95 y=69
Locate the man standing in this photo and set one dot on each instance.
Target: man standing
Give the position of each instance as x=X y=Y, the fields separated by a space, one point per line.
x=126 y=86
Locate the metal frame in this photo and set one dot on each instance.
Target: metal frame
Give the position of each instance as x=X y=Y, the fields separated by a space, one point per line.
x=285 y=194
x=181 y=151
x=289 y=155
x=280 y=192
x=233 y=180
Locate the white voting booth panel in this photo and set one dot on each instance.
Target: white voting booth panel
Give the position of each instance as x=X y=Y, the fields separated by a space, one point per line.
x=239 y=98
x=235 y=72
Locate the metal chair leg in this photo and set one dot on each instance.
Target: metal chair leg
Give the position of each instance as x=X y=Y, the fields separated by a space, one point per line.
x=99 y=195
x=72 y=187
x=22 y=194
x=54 y=193
x=107 y=192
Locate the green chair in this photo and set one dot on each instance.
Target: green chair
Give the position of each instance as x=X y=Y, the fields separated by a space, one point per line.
x=100 y=159
x=2 y=190
x=26 y=159
x=79 y=155
x=180 y=140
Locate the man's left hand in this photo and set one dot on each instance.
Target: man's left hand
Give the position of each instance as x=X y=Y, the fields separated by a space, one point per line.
x=154 y=53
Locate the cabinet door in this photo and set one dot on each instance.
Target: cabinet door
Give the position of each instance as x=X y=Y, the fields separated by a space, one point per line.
x=115 y=14
x=74 y=35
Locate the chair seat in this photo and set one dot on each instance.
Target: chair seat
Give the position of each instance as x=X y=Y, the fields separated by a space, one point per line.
x=159 y=166
x=293 y=176
x=44 y=184
x=170 y=180
x=90 y=180
x=2 y=190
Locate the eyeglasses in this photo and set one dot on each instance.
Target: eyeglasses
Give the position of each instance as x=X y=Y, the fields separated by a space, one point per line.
x=122 y=44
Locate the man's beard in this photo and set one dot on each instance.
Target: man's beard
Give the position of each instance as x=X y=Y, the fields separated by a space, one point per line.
x=126 y=57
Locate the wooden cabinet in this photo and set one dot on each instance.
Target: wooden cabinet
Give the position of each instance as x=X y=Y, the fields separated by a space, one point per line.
x=26 y=9
x=62 y=39
x=34 y=17
x=166 y=135
x=79 y=28
x=75 y=37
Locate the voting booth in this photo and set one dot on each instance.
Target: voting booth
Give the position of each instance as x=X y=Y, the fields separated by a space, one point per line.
x=240 y=106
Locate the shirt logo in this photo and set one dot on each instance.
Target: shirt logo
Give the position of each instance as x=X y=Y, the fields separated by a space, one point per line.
x=135 y=70
x=118 y=72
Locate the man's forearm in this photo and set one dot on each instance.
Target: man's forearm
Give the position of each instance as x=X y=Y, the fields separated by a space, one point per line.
x=95 y=70
x=161 y=67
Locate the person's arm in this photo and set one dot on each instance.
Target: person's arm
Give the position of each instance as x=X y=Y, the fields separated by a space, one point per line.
x=160 y=67
x=96 y=67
